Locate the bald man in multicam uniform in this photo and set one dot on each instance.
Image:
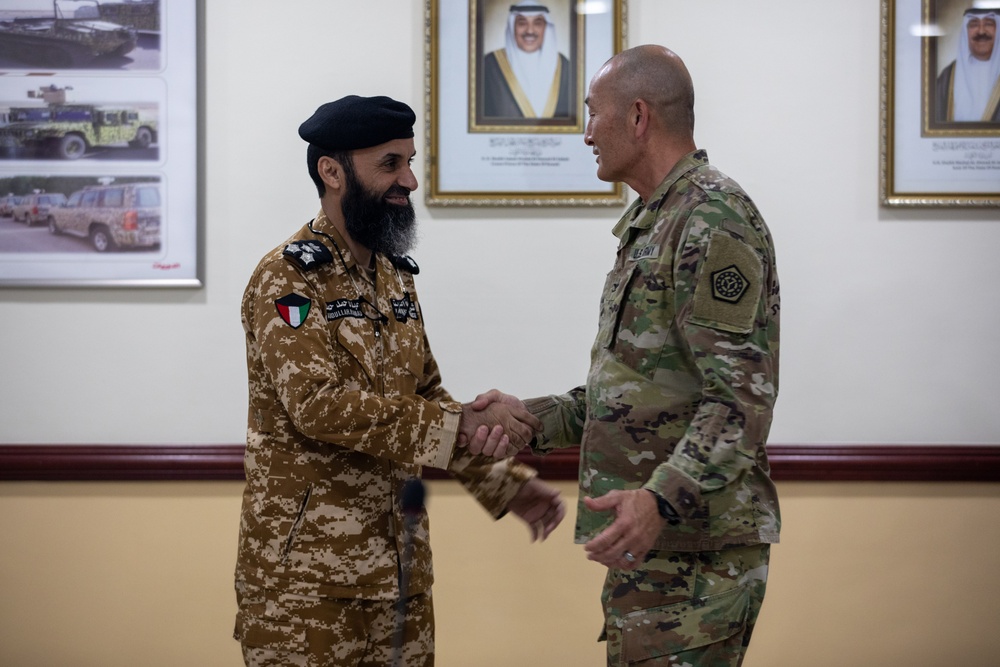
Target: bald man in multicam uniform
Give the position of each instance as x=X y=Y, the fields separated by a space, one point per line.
x=346 y=407
x=675 y=494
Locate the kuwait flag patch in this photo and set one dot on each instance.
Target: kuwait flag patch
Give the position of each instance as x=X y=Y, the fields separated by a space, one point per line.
x=293 y=309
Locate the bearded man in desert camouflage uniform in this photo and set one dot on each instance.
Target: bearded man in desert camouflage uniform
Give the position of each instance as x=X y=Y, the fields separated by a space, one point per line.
x=675 y=494
x=346 y=406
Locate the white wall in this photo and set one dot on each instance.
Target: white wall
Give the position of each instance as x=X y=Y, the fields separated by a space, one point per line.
x=890 y=316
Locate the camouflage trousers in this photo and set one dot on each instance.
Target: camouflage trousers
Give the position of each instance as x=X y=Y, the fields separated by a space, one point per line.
x=685 y=609
x=282 y=630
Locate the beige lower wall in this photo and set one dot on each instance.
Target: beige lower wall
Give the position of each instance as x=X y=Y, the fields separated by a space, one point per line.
x=125 y=574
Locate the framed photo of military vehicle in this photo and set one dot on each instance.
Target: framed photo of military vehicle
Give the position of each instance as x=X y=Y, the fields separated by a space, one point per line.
x=940 y=111
x=80 y=34
x=505 y=83
x=99 y=154
x=80 y=119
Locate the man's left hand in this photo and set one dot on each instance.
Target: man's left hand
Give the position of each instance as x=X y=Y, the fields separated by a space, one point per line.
x=636 y=526
x=539 y=506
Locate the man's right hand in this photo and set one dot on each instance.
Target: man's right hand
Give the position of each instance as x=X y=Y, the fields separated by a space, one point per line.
x=496 y=425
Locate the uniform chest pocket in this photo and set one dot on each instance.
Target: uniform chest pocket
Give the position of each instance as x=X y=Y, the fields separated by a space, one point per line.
x=390 y=362
x=615 y=288
x=402 y=363
x=642 y=316
x=354 y=338
x=412 y=370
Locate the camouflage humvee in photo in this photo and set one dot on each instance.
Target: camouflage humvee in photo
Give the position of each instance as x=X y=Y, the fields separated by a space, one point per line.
x=68 y=131
x=60 y=41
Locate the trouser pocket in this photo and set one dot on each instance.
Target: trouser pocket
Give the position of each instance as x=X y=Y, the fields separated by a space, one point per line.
x=712 y=625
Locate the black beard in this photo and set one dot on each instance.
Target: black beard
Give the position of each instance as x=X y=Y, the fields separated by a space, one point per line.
x=375 y=223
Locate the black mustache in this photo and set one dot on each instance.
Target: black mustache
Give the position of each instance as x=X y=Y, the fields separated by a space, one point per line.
x=397 y=191
x=982 y=36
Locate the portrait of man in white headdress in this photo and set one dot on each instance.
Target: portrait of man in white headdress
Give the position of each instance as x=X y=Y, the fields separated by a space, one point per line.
x=967 y=90
x=529 y=79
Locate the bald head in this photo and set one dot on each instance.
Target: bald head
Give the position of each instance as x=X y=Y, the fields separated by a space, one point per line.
x=657 y=75
x=640 y=117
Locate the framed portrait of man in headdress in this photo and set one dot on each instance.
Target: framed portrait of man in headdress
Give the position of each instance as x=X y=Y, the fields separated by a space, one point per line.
x=940 y=103
x=962 y=67
x=526 y=75
x=506 y=82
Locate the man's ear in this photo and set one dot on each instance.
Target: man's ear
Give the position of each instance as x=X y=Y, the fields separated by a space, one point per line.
x=331 y=173
x=639 y=117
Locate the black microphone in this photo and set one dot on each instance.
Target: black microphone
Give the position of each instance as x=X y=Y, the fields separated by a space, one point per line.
x=411 y=502
x=412 y=498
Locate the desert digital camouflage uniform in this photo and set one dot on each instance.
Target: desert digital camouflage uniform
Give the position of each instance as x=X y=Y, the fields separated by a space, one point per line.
x=683 y=379
x=345 y=405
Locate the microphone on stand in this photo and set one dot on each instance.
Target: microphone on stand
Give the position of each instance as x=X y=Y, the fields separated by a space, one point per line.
x=411 y=502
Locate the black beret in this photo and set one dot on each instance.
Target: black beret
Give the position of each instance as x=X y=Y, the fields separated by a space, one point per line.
x=354 y=122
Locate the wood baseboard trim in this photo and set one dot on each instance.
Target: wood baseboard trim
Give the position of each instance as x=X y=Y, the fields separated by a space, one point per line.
x=804 y=463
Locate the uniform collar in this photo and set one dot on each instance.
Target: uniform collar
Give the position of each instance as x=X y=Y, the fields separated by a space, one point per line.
x=327 y=231
x=641 y=215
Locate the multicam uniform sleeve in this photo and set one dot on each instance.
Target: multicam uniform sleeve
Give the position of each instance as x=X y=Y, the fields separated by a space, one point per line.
x=562 y=420
x=326 y=399
x=723 y=273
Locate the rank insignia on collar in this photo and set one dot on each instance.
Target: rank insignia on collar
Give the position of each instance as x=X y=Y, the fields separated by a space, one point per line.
x=404 y=309
x=404 y=262
x=293 y=309
x=308 y=254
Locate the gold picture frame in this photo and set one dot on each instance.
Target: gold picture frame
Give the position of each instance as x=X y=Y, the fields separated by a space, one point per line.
x=486 y=144
x=928 y=158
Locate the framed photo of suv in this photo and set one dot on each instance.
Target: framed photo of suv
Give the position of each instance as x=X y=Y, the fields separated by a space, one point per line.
x=99 y=143
x=505 y=87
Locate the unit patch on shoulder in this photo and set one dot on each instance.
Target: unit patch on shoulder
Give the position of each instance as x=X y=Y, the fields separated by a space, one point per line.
x=293 y=309
x=308 y=254
x=729 y=285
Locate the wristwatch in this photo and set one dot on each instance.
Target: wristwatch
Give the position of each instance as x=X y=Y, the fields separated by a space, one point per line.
x=665 y=509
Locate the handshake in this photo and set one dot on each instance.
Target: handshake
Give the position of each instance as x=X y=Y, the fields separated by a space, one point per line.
x=496 y=425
